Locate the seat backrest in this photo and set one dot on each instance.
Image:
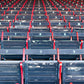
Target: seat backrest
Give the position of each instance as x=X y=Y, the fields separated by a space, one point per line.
x=73 y=72
x=44 y=72
x=13 y=44
x=65 y=44
x=40 y=44
x=10 y=73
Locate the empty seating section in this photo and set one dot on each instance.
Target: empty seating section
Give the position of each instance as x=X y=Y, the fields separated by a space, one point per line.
x=39 y=16
x=41 y=41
